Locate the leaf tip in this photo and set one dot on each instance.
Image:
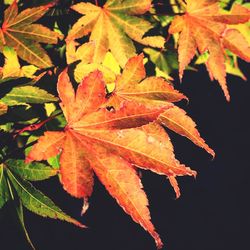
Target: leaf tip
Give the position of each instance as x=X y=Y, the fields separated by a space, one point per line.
x=185 y=98
x=211 y=152
x=180 y=75
x=63 y=77
x=228 y=97
x=85 y=206
x=175 y=186
x=50 y=5
x=28 y=159
x=78 y=224
x=158 y=242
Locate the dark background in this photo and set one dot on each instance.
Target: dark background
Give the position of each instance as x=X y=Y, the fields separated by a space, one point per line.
x=212 y=212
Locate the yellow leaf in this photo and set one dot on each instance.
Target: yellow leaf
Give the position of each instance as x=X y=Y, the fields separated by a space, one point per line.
x=113 y=26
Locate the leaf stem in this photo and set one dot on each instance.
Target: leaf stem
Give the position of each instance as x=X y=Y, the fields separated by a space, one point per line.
x=31 y=127
x=96 y=3
x=35 y=126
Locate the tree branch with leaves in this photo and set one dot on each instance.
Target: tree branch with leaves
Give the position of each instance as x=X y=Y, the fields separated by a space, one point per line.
x=77 y=100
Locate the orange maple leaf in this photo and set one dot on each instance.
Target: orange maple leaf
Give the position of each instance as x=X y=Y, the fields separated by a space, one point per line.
x=203 y=26
x=110 y=144
x=152 y=92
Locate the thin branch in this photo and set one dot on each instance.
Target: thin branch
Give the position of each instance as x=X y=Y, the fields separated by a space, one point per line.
x=35 y=126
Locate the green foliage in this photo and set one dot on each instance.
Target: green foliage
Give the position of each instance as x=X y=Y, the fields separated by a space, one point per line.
x=32 y=171
x=4 y=193
x=36 y=201
x=27 y=95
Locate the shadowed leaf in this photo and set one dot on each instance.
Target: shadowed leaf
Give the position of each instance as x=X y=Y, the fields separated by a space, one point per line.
x=31 y=172
x=37 y=202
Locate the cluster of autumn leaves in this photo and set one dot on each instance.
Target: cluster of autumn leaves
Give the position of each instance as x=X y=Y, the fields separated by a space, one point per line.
x=114 y=121
x=203 y=27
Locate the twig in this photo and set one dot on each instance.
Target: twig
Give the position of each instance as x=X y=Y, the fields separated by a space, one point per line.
x=35 y=126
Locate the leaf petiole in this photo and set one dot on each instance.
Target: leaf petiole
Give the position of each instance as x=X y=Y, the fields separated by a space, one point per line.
x=35 y=126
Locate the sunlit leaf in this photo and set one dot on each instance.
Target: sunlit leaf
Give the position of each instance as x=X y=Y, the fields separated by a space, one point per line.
x=19 y=32
x=205 y=28
x=27 y=94
x=155 y=91
x=113 y=26
x=12 y=68
x=97 y=140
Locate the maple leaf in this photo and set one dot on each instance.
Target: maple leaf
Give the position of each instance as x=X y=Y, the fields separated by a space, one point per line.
x=19 y=32
x=165 y=61
x=22 y=95
x=232 y=64
x=113 y=26
x=203 y=26
x=110 y=144
x=155 y=91
x=12 y=68
x=84 y=54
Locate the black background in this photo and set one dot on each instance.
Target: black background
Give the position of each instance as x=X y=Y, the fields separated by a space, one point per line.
x=213 y=210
